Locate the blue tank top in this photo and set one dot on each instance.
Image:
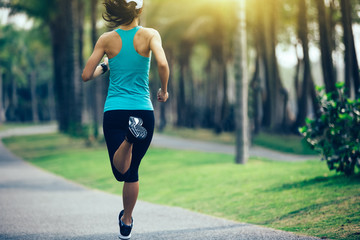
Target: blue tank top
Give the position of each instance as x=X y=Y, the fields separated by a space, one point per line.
x=129 y=77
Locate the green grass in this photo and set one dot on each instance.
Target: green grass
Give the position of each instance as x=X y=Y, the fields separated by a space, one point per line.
x=301 y=197
x=280 y=142
x=284 y=143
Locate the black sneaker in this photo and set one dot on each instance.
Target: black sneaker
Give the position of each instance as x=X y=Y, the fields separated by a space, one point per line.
x=136 y=130
x=125 y=230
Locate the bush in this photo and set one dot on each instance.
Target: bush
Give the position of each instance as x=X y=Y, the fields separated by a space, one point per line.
x=336 y=131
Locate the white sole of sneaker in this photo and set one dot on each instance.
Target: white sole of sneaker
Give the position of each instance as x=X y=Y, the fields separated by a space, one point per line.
x=124 y=237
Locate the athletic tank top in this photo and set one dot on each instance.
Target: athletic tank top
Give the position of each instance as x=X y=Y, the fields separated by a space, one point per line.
x=129 y=77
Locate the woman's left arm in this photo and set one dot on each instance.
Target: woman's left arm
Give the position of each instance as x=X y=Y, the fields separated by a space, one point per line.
x=92 y=69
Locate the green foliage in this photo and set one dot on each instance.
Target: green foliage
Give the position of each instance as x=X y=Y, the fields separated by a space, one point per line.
x=284 y=143
x=22 y=53
x=336 y=131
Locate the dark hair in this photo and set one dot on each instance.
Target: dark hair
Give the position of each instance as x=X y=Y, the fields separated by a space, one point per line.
x=119 y=12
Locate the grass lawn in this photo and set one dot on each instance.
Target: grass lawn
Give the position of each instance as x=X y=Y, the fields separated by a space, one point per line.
x=280 y=142
x=301 y=197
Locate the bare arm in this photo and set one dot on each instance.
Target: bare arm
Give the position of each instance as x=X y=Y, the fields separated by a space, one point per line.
x=92 y=69
x=163 y=66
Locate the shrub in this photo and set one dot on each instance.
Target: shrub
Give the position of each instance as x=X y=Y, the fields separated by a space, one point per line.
x=336 y=131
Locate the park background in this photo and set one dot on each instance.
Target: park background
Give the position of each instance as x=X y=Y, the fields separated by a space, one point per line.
x=292 y=47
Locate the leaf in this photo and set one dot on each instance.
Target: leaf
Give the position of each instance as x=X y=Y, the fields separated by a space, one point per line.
x=303 y=129
x=329 y=95
x=343 y=116
x=309 y=121
x=349 y=101
x=339 y=84
x=319 y=88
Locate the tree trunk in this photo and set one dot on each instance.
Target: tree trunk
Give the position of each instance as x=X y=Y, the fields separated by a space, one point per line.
x=325 y=48
x=352 y=79
x=272 y=68
x=181 y=97
x=95 y=86
x=51 y=100
x=225 y=102
x=34 y=103
x=163 y=106
x=297 y=75
x=76 y=109
x=58 y=88
x=241 y=110
x=11 y=112
x=2 y=113
x=303 y=37
x=262 y=47
x=314 y=99
x=256 y=90
x=218 y=88
x=63 y=53
x=275 y=100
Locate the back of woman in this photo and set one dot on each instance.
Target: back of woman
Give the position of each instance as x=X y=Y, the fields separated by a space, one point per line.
x=128 y=122
x=129 y=75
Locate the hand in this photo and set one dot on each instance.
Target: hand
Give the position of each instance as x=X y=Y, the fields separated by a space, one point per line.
x=162 y=96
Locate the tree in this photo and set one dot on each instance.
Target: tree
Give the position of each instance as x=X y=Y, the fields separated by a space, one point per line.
x=11 y=56
x=325 y=47
x=95 y=85
x=242 y=144
x=2 y=114
x=352 y=77
x=59 y=16
x=274 y=98
x=307 y=78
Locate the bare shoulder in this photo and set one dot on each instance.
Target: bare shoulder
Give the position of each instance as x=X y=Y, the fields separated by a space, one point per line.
x=150 y=32
x=107 y=36
x=106 y=41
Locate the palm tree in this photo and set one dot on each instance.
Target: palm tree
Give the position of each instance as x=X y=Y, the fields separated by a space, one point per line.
x=95 y=85
x=242 y=142
x=304 y=89
x=325 y=47
x=59 y=16
x=2 y=113
x=11 y=56
x=203 y=25
x=352 y=77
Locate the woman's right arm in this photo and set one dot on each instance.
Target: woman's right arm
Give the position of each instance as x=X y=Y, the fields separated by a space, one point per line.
x=92 y=68
x=163 y=66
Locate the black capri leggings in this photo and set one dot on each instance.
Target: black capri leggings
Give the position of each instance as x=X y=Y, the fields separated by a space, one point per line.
x=115 y=127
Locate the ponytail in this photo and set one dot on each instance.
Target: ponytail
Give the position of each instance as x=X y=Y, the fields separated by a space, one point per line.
x=119 y=12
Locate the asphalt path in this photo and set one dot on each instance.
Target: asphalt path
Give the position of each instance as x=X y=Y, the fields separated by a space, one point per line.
x=35 y=204
x=164 y=141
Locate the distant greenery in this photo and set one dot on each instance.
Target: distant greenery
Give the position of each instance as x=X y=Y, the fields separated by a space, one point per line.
x=200 y=134
x=301 y=197
x=284 y=143
x=336 y=132
x=7 y=126
x=280 y=142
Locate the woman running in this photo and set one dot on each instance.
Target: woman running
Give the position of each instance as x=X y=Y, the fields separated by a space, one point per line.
x=128 y=112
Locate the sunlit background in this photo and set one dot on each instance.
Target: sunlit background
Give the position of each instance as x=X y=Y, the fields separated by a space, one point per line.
x=295 y=50
x=199 y=38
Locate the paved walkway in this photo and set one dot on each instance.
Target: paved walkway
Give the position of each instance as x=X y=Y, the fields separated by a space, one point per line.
x=181 y=144
x=35 y=204
x=255 y=151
